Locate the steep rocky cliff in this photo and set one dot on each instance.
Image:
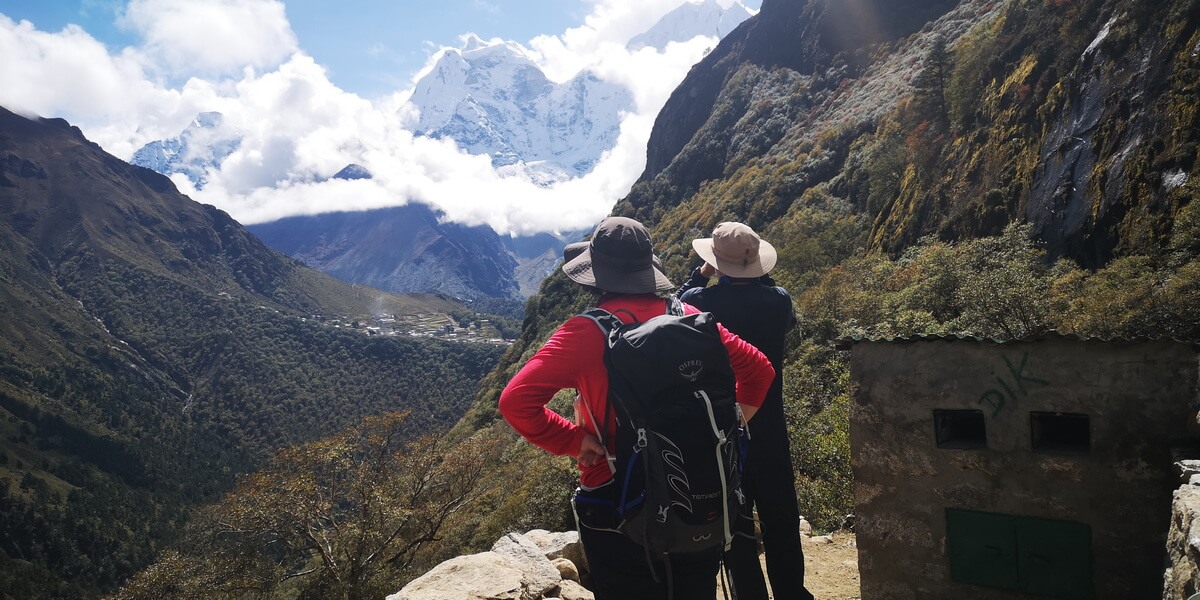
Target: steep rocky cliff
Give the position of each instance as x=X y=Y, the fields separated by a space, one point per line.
x=1073 y=116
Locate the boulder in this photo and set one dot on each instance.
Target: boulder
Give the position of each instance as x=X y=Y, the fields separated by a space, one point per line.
x=483 y=576
x=573 y=591
x=1187 y=468
x=564 y=544
x=805 y=527
x=516 y=568
x=541 y=578
x=566 y=569
x=1182 y=576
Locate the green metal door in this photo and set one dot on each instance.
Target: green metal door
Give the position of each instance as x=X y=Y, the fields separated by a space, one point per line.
x=983 y=548
x=1047 y=558
x=1054 y=558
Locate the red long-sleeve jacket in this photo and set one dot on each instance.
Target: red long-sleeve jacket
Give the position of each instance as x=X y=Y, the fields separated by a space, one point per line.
x=573 y=357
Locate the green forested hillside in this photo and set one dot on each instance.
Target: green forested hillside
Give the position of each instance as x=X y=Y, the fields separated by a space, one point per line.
x=1008 y=168
x=151 y=350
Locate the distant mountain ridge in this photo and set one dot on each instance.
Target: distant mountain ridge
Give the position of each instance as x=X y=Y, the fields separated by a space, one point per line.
x=399 y=249
x=410 y=249
x=492 y=99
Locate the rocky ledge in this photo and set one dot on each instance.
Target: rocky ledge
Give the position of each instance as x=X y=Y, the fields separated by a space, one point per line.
x=537 y=565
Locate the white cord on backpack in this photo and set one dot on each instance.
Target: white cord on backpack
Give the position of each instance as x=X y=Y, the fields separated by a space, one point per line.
x=610 y=458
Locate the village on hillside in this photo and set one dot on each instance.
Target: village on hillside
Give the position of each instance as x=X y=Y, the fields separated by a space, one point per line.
x=428 y=325
x=472 y=328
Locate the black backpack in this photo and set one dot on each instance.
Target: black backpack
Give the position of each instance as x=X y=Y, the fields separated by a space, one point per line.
x=678 y=435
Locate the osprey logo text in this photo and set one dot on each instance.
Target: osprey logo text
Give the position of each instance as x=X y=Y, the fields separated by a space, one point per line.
x=691 y=369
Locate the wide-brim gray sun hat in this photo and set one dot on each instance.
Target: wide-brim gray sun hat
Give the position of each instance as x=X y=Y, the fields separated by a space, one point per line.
x=570 y=251
x=619 y=258
x=735 y=250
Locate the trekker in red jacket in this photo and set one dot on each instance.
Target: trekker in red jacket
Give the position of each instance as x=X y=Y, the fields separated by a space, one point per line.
x=619 y=264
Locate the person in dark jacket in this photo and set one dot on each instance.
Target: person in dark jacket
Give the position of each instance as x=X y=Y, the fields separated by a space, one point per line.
x=749 y=304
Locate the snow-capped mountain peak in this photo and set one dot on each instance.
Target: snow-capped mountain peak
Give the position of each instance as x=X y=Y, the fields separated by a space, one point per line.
x=689 y=20
x=473 y=42
x=208 y=120
x=203 y=145
x=491 y=98
x=353 y=171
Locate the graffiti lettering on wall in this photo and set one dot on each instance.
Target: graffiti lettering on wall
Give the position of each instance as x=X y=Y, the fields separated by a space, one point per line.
x=1020 y=384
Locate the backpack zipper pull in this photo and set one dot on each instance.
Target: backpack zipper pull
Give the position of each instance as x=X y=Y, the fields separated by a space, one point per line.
x=641 y=440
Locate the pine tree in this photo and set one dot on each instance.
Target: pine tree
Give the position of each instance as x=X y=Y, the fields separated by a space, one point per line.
x=929 y=84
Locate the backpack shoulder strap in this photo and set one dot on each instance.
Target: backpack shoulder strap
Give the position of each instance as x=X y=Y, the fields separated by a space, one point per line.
x=606 y=321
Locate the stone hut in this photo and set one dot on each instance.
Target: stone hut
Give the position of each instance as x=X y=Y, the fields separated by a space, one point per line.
x=998 y=470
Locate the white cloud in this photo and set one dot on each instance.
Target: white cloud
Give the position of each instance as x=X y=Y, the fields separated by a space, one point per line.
x=297 y=128
x=651 y=75
x=70 y=73
x=611 y=24
x=211 y=36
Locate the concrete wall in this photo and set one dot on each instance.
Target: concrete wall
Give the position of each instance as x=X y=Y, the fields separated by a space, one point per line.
x=1141 y=399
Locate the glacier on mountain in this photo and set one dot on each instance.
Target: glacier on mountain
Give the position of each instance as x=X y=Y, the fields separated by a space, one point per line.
x=690 y=20
x=201 y=147
x=493 y=99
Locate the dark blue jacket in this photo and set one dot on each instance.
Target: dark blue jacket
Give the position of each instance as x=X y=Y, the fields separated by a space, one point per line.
x=757 y=311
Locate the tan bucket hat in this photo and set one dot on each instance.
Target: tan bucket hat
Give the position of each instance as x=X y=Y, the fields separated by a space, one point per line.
x=735 y=250
x=619 y=258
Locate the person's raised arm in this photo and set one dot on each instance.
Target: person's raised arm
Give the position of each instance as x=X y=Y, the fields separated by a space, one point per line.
x=698 y=279
x=523 y=401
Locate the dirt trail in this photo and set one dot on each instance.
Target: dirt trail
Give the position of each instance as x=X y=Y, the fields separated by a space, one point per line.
x=830 y=569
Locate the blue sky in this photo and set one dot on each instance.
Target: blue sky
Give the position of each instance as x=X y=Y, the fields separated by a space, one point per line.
x=307 y=87
x=369 y=47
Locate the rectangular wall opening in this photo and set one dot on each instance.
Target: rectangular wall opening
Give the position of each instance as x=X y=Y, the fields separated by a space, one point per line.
x=1060 y=432
x=960 y=429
